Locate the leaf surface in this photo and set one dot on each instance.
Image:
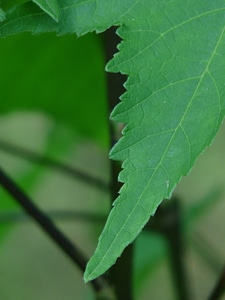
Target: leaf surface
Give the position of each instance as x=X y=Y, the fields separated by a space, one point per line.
x=50 y=7
x=174 y=54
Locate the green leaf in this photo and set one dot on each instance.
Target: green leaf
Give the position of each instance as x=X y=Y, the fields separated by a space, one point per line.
x=50 y=74
x=75 y=17
x=50 y=7
x=174 y=54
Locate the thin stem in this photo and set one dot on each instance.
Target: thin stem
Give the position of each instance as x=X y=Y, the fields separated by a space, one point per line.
x=46 y=161
x=219 y=289
x=121 y=274
x=167 y=222
x=47 y=225
x=173 y=235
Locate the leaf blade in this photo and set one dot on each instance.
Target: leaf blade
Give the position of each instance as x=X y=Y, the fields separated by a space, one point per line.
x=173 y=107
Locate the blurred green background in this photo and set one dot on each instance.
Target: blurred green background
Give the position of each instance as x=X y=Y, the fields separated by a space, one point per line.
x=53 y=102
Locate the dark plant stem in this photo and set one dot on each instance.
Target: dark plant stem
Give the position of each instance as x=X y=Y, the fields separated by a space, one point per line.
x=46 y=161
x=173 y=234
x=219 y=289
x=121 y=274
x=47 y=225
x=167 y=221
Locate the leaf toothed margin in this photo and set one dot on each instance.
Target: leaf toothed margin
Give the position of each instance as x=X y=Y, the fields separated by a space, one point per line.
x=174 y=55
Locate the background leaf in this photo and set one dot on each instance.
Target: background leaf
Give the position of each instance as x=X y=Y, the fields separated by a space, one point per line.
x=50 y=74
x=173 y=107
x=50 y=7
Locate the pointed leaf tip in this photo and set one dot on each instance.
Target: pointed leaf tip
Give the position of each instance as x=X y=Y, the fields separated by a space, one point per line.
x=173 y=107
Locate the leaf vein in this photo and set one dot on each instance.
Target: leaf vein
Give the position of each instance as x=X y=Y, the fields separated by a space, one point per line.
x=170 y=30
